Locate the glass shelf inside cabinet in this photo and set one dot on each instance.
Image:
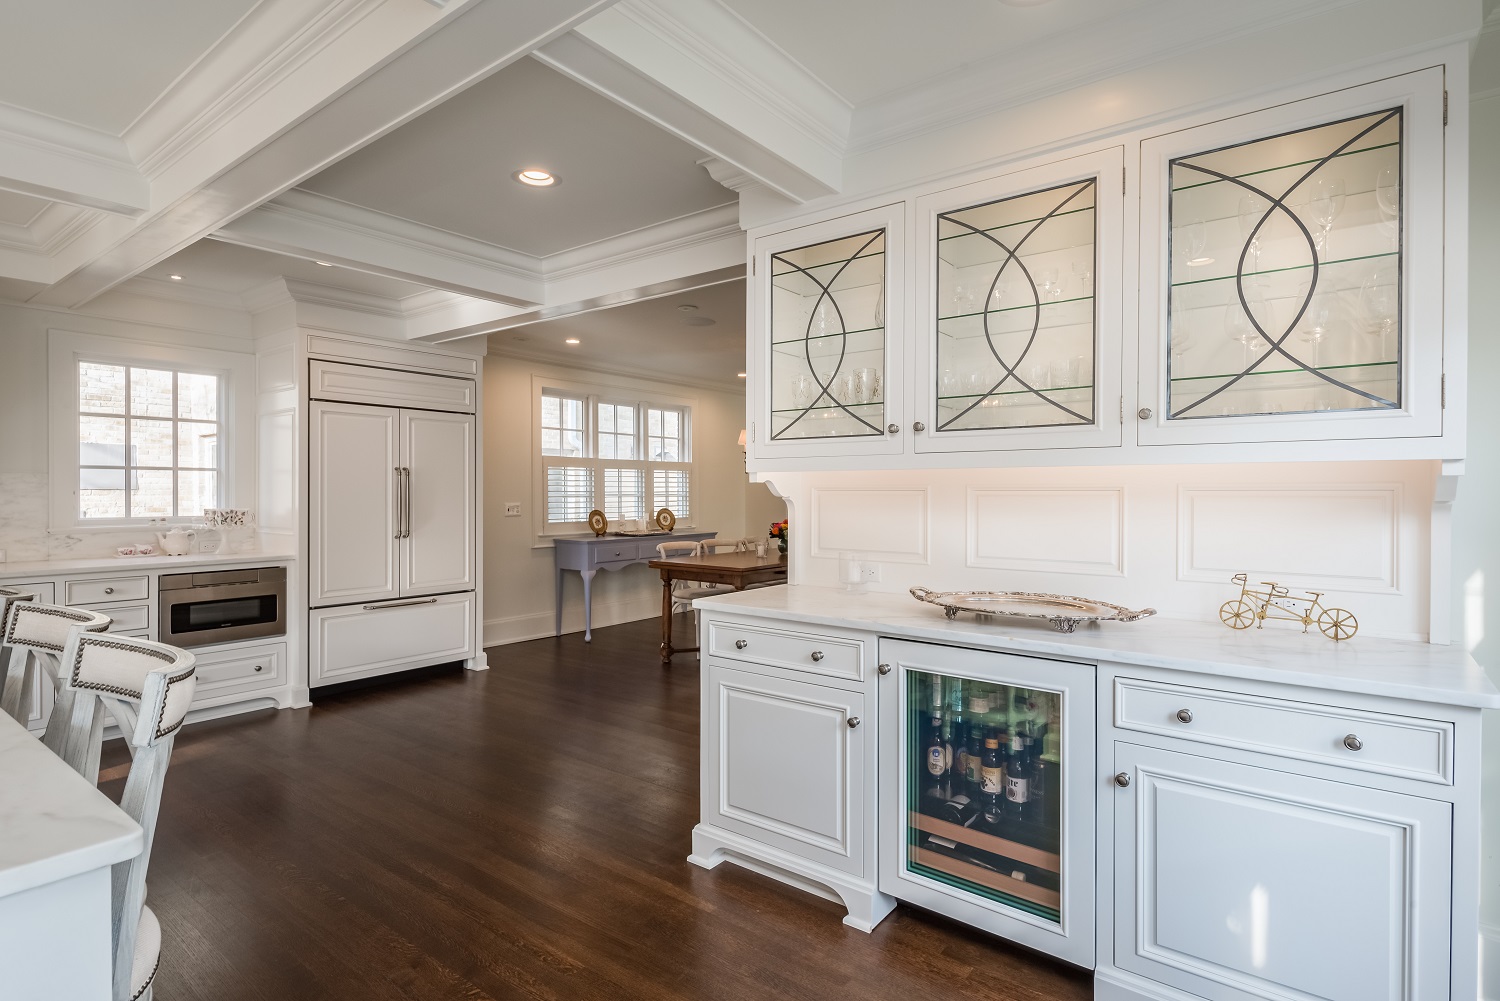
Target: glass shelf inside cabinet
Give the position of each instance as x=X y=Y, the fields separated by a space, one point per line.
x=1286 y=263
x=1015 y=311
x=828 y=339
x=984 y=809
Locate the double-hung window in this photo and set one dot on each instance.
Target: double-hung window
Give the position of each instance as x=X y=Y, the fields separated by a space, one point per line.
x=615 y=452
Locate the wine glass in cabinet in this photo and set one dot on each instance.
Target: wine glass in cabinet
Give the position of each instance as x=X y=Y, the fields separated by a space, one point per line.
x=1019 y=309
x=826 y=309
x=1291 y=271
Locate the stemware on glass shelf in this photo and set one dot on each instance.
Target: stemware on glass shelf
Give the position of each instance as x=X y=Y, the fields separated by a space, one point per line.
x=1325 y=203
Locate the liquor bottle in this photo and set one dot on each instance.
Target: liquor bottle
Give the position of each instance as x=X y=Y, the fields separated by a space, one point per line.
x=1018 y=775
x=979 y=707
x=952 y=752
x=958 y=763
x=992 y=785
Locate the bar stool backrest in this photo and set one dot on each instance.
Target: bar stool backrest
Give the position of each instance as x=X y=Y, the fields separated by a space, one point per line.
x=35 y=634
x=9 y=595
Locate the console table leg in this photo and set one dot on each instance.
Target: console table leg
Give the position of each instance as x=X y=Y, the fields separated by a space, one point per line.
x=588 y=605
x=558 y=574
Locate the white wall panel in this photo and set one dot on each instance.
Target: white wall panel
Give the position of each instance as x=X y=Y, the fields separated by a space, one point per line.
x=1064 y=531
x=888 y=524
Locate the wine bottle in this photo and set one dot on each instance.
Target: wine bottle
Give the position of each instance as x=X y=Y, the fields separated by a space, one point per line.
x=935 y=765
x=978 y=708
x=1018 y=776
x=992 y=785
x=959 y=809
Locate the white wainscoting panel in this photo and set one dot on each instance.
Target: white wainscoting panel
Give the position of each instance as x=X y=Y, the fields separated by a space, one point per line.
x=1344 y=536
x=1054 y=531
x=880 y=523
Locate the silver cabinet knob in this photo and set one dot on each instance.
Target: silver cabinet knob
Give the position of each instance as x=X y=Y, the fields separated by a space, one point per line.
x=1353 y=743
x=918 y=426
x=893 y=428
x=853 y=722
x=109 y=590
x=741 y=644
x=1123 y=780
x=1144 y=413
x=817 y=655
x=1184 y=715
x=884 y=668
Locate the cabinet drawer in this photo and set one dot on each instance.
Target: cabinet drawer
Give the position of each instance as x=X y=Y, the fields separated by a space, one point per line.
x=1404 y=746
x=125 y=618
x=96 y=589
x=362 y=641
x=230 y=672
x=620 y=552
x=386 y=387
x=834 y=656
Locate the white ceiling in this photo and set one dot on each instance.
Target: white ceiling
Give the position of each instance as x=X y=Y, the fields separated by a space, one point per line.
x=101 y=64
x=224 y=267
x=652 y=337
x=19 y=210
x=451 y=168
x=889 y=45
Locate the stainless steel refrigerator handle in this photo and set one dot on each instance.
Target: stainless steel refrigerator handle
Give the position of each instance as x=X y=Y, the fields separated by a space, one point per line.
x=406 y=503
x=400 y=502
x=399 y=604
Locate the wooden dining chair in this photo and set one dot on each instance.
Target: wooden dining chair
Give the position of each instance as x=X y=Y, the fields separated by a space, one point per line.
x=34 y=635
x=147 y=688
x=683 y=591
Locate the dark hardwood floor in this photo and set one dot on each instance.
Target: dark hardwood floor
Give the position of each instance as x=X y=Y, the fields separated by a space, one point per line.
x=518 y=833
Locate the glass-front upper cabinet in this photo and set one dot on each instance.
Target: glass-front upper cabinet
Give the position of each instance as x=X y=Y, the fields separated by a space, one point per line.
x=827 y=376
x=1019 y=302
x=1292 y=271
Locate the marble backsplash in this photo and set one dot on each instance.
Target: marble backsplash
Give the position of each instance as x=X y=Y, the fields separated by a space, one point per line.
x=23 y=526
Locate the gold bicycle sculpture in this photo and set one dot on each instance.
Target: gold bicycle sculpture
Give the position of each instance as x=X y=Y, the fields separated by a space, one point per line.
x=1254 y=607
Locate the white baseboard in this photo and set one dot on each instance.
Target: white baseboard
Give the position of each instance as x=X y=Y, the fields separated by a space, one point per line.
x=538 y=625
x=1489 y=962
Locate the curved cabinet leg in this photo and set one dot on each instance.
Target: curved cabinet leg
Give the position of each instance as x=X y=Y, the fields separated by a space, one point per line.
x=588 y=605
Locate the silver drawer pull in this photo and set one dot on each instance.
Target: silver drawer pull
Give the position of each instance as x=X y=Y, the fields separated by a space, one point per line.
x=109 y=590
x=400 y=604
x=1353 y=743
x=853 y=722
x=741 y=644
x=817 y=655
x=883 y=668
x=1123 y=780
x=1184 y=715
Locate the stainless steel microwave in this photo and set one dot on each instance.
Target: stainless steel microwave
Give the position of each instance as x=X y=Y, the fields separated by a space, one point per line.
x=220 y=606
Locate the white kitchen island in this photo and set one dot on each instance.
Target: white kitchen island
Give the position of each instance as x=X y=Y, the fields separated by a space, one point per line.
x=1235 y=815
x=59 y=836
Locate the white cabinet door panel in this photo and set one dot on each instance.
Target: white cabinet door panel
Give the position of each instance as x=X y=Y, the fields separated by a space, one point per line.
x=790 y=770
x=437 y=548
x=353 y=504
x=1233 y=882
x=362 y=641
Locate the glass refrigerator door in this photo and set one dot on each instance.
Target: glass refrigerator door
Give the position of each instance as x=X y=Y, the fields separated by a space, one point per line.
x=988 y=823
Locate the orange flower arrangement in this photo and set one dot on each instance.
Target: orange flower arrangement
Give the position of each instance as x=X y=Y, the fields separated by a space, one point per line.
x=779 y=533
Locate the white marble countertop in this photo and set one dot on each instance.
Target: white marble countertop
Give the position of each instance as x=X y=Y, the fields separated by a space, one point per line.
x=110 y=564
x=53 y=823
x=1278 y=653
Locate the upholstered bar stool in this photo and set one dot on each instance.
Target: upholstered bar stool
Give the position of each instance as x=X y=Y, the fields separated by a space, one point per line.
x=147 y=687
x=7 y=596
x=36 y=635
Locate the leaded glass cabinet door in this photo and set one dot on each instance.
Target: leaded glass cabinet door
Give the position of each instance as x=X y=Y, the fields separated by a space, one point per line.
x=827 y=378
x=1021 y=291
x=1296 y=263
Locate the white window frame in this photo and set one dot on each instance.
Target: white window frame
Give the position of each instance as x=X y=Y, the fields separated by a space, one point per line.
x=236 y=419
x=592 y=396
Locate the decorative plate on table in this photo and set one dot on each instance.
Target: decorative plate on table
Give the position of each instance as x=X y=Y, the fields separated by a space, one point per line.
x=1063 y=611
x=598 y=522
x=665 y=520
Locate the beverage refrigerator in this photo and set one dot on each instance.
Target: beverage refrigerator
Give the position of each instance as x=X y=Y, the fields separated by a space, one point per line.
x=987 y=798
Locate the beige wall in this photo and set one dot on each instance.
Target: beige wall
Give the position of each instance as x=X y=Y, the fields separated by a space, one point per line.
x=518 y=569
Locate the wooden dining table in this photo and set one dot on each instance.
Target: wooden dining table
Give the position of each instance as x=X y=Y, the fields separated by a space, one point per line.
x=739 y=570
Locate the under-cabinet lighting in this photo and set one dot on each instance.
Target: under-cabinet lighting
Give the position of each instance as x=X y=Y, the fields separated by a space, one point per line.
x=535 y=176
x=571 y=340
x=323 y=264
x=175 y=278
x=741 y=375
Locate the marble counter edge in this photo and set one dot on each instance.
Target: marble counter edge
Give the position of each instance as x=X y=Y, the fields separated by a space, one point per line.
x=1108 y=642
x=120 y=564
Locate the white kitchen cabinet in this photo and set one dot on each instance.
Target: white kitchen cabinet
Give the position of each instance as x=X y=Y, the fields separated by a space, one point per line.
x=1234 y=882
x=1292 y=271
x=349 y=642
x=826 y=335
x=1019 y=303
x=392 y=510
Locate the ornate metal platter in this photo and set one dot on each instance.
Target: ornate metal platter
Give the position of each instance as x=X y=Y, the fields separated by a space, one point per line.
x=1063 y=611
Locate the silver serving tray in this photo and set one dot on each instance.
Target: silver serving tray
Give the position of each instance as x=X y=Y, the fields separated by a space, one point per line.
x=1063 y=611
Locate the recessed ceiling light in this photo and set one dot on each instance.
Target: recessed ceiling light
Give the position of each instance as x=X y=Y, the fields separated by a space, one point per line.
x=536 y=177
x=324 y=264
x=175 y=278
x=742 y=375
x=688 y=307
x=571 y=340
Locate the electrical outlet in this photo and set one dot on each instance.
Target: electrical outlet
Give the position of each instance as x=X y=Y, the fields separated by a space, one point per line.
x=513 y=509
x=208 y=546
x=869 y=573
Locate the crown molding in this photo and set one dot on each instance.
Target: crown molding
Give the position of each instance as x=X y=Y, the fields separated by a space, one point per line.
x=727 y=174
x=60 y=161
x=1105 y=49
x=684 y=232
x=497 y=348
x=170 y=291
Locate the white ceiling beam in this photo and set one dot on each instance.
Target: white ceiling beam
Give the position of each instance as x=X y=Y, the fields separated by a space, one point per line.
x=369 y=77
x=318 y=228
x=49 y=158
x=702 y=73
